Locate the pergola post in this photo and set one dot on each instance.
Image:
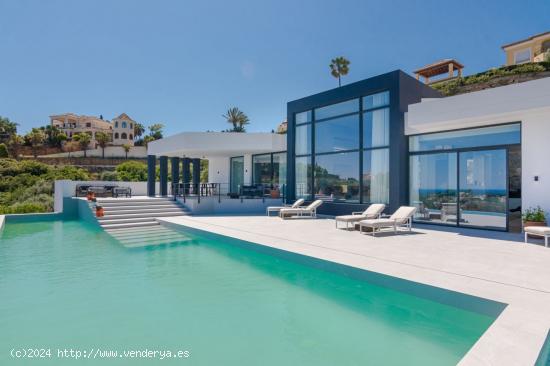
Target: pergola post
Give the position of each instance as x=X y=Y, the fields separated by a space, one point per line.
x=163 y=161
x=175 y=162
x=451 y=70
x=185 y=174
x=151 y=174
x=196 y=173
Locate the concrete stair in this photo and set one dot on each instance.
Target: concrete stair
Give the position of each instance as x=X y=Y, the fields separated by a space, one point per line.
x=147 y=236
x=134 y=213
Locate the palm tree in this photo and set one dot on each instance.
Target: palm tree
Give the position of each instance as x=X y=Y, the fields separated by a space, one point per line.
x=36 y=137
x=237 y=118
x=83 y=140
x=126 y=148
x=139 y=130
x=102 y=140
x=14 y=144
x=339 y=67
x=7 y=128
x=147 y=140
x=155 y=131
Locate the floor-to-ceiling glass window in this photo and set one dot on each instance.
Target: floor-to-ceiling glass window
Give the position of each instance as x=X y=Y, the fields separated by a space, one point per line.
x=343 y=149
x=468 y=177
x=279 y=169
x=270 y=171
x=236 y=174
x=261 y=169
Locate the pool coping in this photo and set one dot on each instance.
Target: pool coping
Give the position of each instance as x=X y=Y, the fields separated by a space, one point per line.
x=515 y=337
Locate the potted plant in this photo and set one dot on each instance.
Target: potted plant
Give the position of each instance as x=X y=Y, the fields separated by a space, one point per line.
x=99 y=211
x=534 y=216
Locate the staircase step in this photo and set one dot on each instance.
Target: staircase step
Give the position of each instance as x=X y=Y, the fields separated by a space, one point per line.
x=149 y=207
x=134 y=231
x=130 y=225
x=139 y=244
x=139 y=215
x=134 y=200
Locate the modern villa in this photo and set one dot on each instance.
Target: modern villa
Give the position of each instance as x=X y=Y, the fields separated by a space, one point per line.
x=399 y=236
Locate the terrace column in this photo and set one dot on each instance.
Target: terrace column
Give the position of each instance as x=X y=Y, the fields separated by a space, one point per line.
x=163 y=160
x=196 y=173
x=175 y=161
x=185 y=174
x=151 y=174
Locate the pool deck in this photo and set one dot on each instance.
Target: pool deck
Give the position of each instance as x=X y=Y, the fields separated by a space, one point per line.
x=492 y=265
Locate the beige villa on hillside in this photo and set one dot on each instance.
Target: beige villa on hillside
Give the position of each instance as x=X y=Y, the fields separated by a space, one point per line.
x=532 y=49
x=121 y=128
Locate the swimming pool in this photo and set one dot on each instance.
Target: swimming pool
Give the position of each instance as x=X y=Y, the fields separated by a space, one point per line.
x=68 y=284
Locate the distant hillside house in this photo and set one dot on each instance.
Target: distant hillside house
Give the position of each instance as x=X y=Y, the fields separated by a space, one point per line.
x=532 y=49
x=121 y=129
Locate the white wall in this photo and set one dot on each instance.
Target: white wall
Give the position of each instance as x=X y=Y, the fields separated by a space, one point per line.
x=247 y=169
x=66 y=188
x=211 y=206
x=535 y=161
x=110 y=152
x=218 y=169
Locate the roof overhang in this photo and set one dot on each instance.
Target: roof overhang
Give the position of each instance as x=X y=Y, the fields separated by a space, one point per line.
x=206 y=144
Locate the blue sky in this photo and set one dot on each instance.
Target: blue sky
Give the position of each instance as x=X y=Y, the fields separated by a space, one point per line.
x=183 y=63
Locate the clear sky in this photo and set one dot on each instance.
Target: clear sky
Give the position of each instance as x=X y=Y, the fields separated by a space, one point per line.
x=183 y=63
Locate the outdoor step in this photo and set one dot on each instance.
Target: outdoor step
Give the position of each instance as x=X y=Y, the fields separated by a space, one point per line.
x=130 y=225
x=153 y=207
x=140 y=216
x=102 y=220
x=143 y=212
x=171 y=237
x=136 y=204
x=134 y=231
x=111 y=200
x=139 y=244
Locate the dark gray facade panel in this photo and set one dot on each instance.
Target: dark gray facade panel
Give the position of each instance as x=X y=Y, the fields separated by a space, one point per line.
x=175 y=164
x=196 y=172
x=404 y=90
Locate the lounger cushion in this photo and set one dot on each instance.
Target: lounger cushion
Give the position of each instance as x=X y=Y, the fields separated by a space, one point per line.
x=293 y=211
x=538 y=230
x=350 y=218
x=378 y=222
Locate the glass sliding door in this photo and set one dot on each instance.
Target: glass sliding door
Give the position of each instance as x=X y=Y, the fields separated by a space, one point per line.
x=236 y=174
x=483 y=192
x=433 y=183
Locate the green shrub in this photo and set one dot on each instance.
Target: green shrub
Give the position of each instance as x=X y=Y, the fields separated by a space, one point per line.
x=109 y=176
x=23 y=207
x=132 y=171
x=3 y=151
x=535 y=214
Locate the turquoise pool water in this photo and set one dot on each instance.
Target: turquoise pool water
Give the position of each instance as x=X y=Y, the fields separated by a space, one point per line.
x=67 y=285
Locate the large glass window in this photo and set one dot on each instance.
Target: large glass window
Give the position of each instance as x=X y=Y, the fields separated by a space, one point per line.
x=303 y=177
x=376 y=100
x=279 y=169
x=376 y=128
x=303 y=140
x=476 y=137
x=337 y=109
x=337 y=134
x=433 y=185
x=261 y=169
x=337 y=177
x=303 y=117
x=376 y=174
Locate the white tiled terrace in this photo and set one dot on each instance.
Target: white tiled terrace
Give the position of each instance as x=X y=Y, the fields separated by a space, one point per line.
x=493 y=265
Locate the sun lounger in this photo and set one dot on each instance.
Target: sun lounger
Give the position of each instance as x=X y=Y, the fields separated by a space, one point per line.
x=402 y=217
x=310 y=210
x=372 y=212
x=296 y=204
x=543 y=231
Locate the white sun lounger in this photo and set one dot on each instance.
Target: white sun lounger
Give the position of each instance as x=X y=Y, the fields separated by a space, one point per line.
x=543 y=231
x=310 y=210
x=402 y=217
x=296 y=204
x=372 y=212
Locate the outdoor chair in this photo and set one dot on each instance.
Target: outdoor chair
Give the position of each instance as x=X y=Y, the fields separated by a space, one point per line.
x=122 y=191
x=310 y=210
x=296 y=204
x=402 y=217
x=372 y=212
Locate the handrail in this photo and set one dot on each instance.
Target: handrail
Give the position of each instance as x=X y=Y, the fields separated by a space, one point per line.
x=255 y=191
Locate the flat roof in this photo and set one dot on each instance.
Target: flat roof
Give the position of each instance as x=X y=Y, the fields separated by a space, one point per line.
x=205 y=144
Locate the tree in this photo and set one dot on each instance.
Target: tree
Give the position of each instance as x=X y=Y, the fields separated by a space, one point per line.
x=83 y=140
x=54 y=136
x=3 y=151
x=147 y=140
x=132 y=171
x=237 y=118
x=35 y=138
x=139 y=130
x=102 y=139
x=339 y=67
x=126 y=148
x=14 y=145
x=155 y=131
x=7 y=128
